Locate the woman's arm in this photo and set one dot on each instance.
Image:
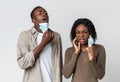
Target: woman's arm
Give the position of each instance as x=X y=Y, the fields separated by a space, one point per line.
x=70 y=63
x=98 y=64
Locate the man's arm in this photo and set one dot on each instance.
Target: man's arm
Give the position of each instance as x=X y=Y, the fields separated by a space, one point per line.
x=46 y=39
x=25 y=57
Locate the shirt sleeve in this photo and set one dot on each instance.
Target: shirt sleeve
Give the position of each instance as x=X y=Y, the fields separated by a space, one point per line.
x=25 y=57
x=98 y=64
x=61 y=60
x=70 y=63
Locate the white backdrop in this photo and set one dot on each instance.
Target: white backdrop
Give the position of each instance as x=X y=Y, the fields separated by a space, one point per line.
x=15 y=17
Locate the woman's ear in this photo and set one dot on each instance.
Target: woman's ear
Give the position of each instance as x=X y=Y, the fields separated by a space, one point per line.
x=89 y=36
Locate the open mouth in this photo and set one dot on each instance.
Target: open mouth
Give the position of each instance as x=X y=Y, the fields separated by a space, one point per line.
x=45 y=19
x=81 y=40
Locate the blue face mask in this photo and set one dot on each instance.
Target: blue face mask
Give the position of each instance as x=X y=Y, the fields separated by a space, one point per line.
x=90 y=41
x=43 y=27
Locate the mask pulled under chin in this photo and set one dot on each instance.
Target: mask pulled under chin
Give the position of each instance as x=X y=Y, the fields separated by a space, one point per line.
x=43 y=27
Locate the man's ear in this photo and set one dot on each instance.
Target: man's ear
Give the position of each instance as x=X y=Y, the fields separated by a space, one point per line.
x=33 y=20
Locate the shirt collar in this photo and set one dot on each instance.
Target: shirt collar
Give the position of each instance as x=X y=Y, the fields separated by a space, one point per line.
x=34 y=31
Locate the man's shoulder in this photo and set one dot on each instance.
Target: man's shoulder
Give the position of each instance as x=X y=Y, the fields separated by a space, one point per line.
x=28 y=31
x=25 y=34
x=56 y=34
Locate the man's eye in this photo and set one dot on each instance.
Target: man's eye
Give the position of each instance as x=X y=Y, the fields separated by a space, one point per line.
x=40 y=13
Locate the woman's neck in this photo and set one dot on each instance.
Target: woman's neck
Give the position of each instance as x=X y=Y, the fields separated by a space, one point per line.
x=83 y=47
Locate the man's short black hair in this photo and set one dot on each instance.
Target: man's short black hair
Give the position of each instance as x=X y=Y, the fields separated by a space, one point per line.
x=32 y=13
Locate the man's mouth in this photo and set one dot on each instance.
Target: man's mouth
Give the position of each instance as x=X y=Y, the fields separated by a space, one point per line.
x=45 y=19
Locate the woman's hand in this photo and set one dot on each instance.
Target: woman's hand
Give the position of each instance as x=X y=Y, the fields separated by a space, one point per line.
x=76 y=46
x=90 y=53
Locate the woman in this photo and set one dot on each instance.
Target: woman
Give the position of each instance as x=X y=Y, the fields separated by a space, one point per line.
x=85 y=63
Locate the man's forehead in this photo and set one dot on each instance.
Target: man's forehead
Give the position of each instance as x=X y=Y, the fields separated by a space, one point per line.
x=40 y=8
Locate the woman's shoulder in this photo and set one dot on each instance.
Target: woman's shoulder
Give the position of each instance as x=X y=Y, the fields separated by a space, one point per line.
x=70 y=49
x=99 y=46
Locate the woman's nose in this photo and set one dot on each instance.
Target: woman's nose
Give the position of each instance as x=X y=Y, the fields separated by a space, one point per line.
x=81 y=34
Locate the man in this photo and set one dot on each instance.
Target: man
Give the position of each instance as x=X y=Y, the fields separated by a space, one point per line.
x=39 y=50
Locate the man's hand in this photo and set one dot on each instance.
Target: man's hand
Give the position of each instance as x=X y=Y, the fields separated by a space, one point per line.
x=47 y=37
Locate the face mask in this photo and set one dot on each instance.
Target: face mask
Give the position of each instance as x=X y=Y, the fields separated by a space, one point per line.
x=43 y=27
x=90 y=41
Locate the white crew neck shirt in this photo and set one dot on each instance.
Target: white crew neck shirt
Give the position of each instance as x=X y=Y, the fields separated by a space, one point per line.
x=46 y=61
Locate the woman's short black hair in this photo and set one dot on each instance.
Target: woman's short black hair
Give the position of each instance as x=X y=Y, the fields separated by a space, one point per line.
x=85 y=22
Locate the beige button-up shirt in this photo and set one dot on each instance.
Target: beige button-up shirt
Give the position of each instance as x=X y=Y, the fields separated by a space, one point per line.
x=32 y=72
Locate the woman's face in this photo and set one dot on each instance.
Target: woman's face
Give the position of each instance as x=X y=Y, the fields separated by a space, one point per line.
x=82 y=34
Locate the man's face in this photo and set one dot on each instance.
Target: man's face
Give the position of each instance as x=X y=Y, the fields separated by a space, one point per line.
x=40 y=16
